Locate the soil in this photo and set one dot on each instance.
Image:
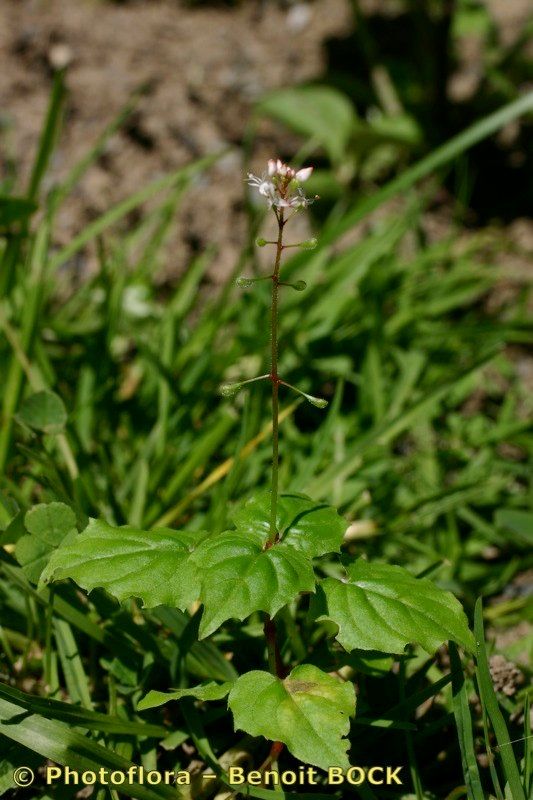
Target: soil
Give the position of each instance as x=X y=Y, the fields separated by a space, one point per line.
x=203 y=67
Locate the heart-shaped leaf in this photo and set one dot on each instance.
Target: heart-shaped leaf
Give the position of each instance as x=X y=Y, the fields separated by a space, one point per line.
x=206 y=691
x=127 y=562
x=43 y=411
x=313 y=528
x=48 y=524
x=239 y=577
x=309 y=711
x=383 y=607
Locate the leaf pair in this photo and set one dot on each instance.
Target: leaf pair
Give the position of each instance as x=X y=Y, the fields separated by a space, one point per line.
x=231 y=573
x=377 y=607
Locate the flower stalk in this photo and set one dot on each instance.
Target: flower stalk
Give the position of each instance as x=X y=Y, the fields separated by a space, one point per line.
x=274 y=377
x=281 y=187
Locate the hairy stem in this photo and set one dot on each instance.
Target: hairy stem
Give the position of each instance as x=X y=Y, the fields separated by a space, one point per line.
x=277 y=668
x=274 y=655
x=274 y=377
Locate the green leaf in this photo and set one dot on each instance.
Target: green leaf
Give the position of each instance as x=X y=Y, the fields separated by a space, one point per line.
x=63 y=745
x=465 y=731
x=206 y=691
x=14 y=531
x=238 y=577
x=48 y=524
x=490 y=703
x=318 y=112
x=43 y=411
x=78 y=717
x=383 y=607
x=72 y=665
x=127 y=562
x=308 y=711
x=312 y=528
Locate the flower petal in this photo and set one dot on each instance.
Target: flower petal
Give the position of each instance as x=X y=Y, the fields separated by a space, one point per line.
x=266 y=188
x=303 y=174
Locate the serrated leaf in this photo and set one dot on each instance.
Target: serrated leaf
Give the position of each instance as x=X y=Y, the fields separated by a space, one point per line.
x=318 y=112
x=383 y=607
x=43 y=411
x=206 y=691
x=238 y=577
x=308 y=711
x=48 y=524
x=127 y=562
x=310 y=527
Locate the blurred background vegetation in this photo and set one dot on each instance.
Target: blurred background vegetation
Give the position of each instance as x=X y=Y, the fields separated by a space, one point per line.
x=126 y=130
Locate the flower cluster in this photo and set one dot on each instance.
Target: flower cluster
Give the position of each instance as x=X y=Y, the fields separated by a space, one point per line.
x=281 y=185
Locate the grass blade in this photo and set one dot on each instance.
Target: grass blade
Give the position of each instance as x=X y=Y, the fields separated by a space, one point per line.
x=437 y=158
x=465 y=732
x=49 y=134
x=120 y=210
x=53 y=740
x=490 y=701
x=75 y=677
x=79 y=717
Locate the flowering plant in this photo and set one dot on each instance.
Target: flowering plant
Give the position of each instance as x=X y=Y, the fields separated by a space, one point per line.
x=262 y=567
x=281 y=185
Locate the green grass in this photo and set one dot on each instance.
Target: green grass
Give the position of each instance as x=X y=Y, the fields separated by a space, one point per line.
x=425 y=443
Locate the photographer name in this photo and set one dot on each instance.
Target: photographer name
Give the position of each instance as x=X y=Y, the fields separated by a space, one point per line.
x=378 y=776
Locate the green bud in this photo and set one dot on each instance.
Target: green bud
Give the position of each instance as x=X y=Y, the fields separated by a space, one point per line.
x=315 y=401
x=261 y=242
x=310 y=244
x=230 y=389
x=244 y=282
x=298 y=285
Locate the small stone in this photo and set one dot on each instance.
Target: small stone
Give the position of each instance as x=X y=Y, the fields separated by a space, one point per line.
x=506 y=677
x=60 y=56
x=298 y=17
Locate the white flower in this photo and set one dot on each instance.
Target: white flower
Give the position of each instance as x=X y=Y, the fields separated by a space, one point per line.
x=280 y=185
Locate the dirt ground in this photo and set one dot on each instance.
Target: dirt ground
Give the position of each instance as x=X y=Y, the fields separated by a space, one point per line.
x=204 y=66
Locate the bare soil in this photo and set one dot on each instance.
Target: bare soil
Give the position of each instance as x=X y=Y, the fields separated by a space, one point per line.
x=203 y=66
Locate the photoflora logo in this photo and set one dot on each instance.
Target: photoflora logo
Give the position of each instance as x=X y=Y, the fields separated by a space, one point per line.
x=23 y=776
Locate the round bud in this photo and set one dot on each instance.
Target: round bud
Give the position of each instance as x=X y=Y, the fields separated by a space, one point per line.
x=316 y=401
x=261 y=242
x=229 y=389
x=244 y=282
x=299 y=286
x=310 y=244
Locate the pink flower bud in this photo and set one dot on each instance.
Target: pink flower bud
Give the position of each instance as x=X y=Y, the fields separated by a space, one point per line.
x=303 y=174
